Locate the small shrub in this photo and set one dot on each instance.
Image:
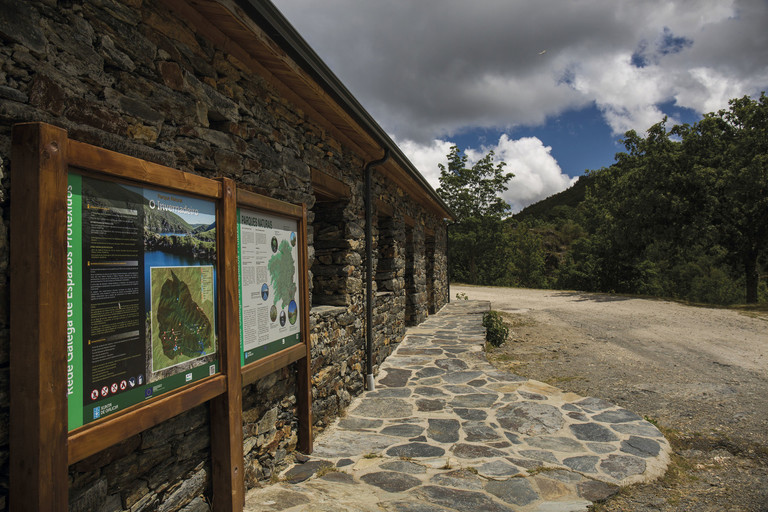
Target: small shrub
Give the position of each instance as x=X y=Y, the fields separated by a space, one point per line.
x=496 y=331
x=324 y=470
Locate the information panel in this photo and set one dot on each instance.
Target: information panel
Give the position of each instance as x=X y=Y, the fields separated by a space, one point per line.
x=141 y=295
x=269 y=292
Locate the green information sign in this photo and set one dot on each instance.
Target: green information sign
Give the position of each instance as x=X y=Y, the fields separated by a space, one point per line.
x=268 y=284
x=141 y=295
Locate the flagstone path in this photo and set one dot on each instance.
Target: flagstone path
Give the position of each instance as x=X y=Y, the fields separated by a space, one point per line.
x=445 y=431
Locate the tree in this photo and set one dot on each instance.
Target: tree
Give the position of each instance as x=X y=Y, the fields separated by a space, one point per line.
x=648 y=215
x=474 y=192
x=478 y=240
x=733 y=146
x=528 y=256
x=683 y=212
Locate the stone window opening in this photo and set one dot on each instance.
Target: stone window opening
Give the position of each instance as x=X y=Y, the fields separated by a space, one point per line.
x=333 y=254
x=429 y=249
x=411 y=297
x=385 y=264
x=335 y=235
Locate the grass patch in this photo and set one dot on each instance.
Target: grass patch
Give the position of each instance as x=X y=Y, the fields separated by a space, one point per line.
x=758 y=311
x=499 y=327
x=327 y=469
x=652 y=421
x=679 y=472
x=504 y=357
x=516 y=319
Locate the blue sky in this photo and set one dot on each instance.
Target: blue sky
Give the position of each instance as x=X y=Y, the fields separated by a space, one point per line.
x=549 y=85
x=580 y=139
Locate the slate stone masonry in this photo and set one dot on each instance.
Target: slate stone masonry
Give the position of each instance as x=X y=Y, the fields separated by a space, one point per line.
x=447 y=431
x=132 y=77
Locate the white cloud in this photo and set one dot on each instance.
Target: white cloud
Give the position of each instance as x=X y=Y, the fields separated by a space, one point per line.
x=429 y=69
x=425 y=157
x=627 y=95
x=537 y=174
x=710 y=90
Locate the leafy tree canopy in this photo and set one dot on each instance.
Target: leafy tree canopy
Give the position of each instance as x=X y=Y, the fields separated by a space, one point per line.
x=474 y=191
x=477 y=242
x=682 y=213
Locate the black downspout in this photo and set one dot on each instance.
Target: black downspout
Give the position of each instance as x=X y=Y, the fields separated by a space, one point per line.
x=448 y=258
x=368 y=171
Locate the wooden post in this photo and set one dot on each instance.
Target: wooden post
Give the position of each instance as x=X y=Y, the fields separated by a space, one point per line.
x=304 y=365
x=299 y=353
x=38 y=429
x=227 y=410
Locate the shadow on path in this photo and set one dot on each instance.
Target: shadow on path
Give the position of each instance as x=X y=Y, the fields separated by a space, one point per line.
x=593 y=297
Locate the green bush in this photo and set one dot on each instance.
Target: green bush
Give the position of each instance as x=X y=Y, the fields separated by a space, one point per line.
x=496 y=332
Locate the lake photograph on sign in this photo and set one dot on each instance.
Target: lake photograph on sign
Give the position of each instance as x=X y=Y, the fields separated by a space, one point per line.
x=180 y=282
x=141 y=294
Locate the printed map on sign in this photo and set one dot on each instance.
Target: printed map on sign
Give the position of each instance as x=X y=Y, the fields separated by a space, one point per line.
x=182 y=306
x=282 y=271
x=269 y=271
x=141 y=296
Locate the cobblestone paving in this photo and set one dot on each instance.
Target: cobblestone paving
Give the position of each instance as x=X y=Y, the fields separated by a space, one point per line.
x=445 y=431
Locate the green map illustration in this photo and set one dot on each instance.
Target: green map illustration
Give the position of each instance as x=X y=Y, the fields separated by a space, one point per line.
x=182 y=309
x=283 y=270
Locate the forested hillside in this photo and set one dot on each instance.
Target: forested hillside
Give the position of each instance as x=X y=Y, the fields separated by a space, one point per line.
x=555 y=205
x=682 y=213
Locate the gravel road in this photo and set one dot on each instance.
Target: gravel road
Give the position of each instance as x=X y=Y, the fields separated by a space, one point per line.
x=700 y=373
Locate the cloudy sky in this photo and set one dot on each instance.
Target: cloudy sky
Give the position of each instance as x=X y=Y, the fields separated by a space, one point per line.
x=549 y=85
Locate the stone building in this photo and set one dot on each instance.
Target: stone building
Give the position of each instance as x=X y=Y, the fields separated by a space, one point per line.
x=227 y=88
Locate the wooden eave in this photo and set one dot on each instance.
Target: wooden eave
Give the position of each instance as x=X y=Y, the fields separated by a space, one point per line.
x=327 y=187
x=228 y=26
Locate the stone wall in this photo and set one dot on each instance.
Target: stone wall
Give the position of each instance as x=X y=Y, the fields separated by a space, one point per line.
x=389 y=291
x=134 y=78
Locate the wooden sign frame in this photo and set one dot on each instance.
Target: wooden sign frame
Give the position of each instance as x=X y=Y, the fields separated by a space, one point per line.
x=41 y=447
x=300 y=353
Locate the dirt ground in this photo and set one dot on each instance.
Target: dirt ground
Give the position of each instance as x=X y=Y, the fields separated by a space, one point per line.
x=700 y=374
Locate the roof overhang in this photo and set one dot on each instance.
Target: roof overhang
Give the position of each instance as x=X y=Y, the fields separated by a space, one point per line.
x=258 y=35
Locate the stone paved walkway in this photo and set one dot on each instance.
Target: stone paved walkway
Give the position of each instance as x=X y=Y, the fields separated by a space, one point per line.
x=446 y=431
